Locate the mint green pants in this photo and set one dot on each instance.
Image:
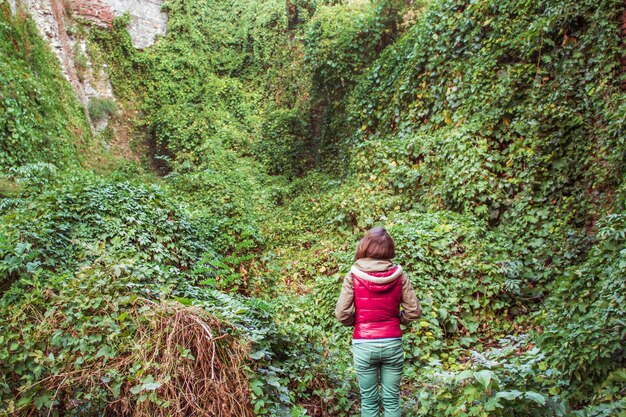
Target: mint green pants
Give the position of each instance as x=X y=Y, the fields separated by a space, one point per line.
x=379 y=363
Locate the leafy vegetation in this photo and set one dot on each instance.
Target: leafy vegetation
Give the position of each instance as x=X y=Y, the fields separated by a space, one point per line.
x=487 y=137
x=40 y=119
x=101 y=107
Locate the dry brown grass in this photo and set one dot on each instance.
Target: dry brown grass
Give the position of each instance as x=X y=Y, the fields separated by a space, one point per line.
x=212 y=383
x=209 y=378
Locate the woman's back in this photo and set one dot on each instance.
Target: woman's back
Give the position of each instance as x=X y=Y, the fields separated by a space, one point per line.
x=376 y=296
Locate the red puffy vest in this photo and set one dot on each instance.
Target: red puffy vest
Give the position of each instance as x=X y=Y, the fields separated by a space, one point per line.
x=377 y=307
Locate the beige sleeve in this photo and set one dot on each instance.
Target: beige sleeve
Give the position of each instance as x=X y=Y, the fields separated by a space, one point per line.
x=344 y=310
x=411 y=307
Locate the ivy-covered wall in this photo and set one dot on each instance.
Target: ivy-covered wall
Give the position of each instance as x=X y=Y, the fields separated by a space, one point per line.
x=40 y=117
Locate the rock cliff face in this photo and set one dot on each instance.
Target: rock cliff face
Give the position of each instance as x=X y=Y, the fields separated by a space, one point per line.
x=12 y=5
x=147 y=20
x=58 y=20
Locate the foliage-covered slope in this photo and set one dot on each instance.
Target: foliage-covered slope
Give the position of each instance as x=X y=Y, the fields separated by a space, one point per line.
x=481 y=108
x=40 y=118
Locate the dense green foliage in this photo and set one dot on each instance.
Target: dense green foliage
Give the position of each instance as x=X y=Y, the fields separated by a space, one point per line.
x=481 y=110
x=40 y=119
x=341 y=42
x=284 y=146
x=585 y=316
x=489 y=127
x=487 y=137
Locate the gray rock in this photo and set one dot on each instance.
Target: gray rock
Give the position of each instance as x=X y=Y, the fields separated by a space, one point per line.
x=146 y=19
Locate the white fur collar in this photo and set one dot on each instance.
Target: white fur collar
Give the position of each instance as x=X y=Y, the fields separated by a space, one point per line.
x=376 y=280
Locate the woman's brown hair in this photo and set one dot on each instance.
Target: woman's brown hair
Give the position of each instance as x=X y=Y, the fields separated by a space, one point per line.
x=376 y=244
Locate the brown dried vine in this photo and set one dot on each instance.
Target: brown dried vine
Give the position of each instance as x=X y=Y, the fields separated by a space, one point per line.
x=210 y=380
x=197 y=364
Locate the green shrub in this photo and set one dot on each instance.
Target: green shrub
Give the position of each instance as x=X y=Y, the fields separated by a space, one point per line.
x=474 y=118
x=99 y=108
x=509 y=379
x=62 y=227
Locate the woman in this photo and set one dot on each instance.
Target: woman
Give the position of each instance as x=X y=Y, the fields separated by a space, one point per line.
x=370 y=300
